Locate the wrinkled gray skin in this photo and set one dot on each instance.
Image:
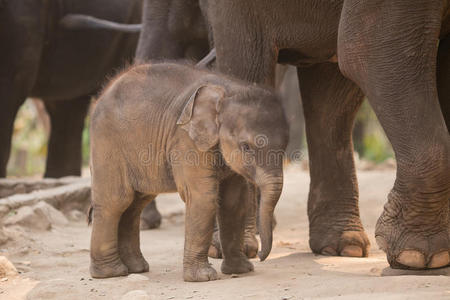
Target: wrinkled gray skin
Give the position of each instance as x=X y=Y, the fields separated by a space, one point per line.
x=163 y=128
x=40 y=58
x=397 y=54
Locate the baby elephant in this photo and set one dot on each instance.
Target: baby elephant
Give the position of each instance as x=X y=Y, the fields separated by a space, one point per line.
x=162 y=128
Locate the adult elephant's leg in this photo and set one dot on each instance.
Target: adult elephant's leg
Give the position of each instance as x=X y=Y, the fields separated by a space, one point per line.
x=330 y=103
x=150 y=218
x=156 y=41
x=232 y=213
x=443 y=78
x=394 y=63
x=64 y=155
x=21 y=38
x=244 y=56
x=129 y=245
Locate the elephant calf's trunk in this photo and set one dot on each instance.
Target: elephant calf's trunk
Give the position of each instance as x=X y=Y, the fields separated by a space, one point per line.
x=270 y=193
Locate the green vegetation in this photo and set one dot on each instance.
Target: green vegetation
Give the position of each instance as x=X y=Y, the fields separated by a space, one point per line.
x=372 y=144
x=29 y=145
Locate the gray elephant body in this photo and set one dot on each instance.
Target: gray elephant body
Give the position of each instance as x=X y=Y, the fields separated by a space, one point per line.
x=397 y=53
x=164 y=128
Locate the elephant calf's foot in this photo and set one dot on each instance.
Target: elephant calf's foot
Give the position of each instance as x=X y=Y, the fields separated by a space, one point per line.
x=115 y=268
x=236 y=265
x=135 y=264
x=406 y=249
x=344 y=243
x=199 y=272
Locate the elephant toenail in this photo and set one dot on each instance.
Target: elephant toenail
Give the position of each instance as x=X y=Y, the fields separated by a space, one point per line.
x=439 y=260
x=329 y=251
x=352 y=251
x=412 y=259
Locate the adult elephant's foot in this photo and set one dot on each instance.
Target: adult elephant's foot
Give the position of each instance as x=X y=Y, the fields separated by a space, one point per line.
x=250 y=247
x=135 y=264
x=343 y=237
x=410 y=245
x=114 y=268
x=236 y=265
x=199 y=272
x=150 y=217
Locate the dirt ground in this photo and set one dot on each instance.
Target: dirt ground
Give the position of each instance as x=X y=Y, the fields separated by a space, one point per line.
x=54 y=264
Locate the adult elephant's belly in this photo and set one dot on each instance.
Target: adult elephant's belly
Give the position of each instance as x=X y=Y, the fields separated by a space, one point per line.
x=445 y=28
x=76 y=63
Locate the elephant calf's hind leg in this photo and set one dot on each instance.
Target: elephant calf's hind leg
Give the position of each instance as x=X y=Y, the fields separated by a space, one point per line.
x=109 y=205
x=129 y=246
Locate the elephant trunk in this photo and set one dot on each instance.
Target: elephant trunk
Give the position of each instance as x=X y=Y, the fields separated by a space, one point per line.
x=270 y=188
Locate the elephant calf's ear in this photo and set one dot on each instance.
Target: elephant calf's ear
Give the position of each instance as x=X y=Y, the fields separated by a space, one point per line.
x=199 y=116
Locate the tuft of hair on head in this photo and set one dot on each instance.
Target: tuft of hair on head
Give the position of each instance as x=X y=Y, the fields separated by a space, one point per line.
x=113 y=76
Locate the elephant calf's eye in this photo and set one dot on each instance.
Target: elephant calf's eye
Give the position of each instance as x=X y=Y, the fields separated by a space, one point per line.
x=245 y=147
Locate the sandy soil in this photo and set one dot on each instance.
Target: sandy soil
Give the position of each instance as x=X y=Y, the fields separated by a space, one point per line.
x=54 y=265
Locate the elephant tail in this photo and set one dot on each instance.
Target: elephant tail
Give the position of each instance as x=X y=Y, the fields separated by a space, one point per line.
x=77 y=21
x=207 y=60
x=89 y=214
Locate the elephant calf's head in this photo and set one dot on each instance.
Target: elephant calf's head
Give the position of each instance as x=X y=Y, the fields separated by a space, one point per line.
x=251 y=131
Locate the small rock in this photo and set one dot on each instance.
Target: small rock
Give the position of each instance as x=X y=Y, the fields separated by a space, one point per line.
x=7 y=268
x=55 y=216
x=75 y=215
x=4 y=210
x=234 y=275
x=25 y=216
x=137 y=277
x=136 y=295
x=3 y=237
x=41 y=216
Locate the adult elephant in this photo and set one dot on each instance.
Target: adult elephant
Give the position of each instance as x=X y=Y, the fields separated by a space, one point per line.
x=343 y=49
x=41 y=58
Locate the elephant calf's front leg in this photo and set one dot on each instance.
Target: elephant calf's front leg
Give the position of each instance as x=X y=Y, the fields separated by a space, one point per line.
x=232 y=221
x=200 y=215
